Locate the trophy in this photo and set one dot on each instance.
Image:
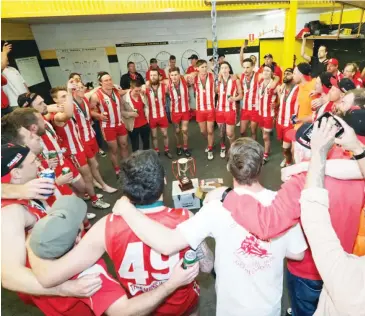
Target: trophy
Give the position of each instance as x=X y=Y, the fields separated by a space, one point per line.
x=180 y=169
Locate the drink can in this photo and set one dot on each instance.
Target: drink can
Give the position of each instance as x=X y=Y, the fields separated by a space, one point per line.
x=52 y=154
x=50 y=174
x=189 y=258
x=66 y=170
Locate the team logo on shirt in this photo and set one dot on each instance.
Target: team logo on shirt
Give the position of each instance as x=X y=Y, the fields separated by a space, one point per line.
x=135 y=288
x=253 y=255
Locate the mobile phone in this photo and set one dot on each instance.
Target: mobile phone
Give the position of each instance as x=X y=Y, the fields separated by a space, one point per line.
x=307 y=135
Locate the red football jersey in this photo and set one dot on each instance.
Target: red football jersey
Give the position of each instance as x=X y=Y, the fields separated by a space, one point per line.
x=82 y=115
x=156 y=101
x=110 y=105
x=204 y=91
x=95 y=305
x=141 y=269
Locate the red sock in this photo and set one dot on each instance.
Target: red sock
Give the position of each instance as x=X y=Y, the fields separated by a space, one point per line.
x=94 y=198
x=210 y=147
x=178 y=146
x=157 y=150
x=223 y=146
x=87 y=224
x=117 y=170
x=166 y=148
x=186 y=147
x=266 y=155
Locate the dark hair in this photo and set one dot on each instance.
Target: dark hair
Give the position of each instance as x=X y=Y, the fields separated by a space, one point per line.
x=101 y=74
x=201 y=62
x=155 y=70
x=174 y=69
x=359 y=97
x=130 y=63
x=135 y=83
x=53 y=92
x=245 y=160
x=12 y=122
x=142 y=177
x=172 y=57
x=72 y=74
x=248 y=60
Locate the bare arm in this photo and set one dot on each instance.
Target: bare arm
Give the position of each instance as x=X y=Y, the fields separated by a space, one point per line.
x=68 y=112
x=302 y=51
x=94 y=102
x=159 y=237
x=30 y=190
x=146 y=303
x=4 y=55
x=242 y=53
x=239 y=91
x=90 y=249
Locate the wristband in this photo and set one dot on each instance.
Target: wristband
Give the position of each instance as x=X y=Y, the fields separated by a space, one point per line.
x=360 y=156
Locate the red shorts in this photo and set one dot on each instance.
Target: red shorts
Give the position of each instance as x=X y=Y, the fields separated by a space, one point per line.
x=281 y=132
x=205 y=116
x=176 y=118
x=79 y=159
x=267 y=123
x=111 y=133
x=68 y=163
x=250 y=115
x=228 y=118
x=91 y=148
x=159 y=122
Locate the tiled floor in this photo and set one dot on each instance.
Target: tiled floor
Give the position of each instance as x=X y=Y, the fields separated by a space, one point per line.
x=270 y=178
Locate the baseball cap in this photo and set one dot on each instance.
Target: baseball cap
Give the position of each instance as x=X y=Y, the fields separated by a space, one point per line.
x=346 y=84
x=356 y=119
x=268 y=56
x=291 y=70
x=55 y=234
x=333 y=61
x=305 y=68
x=193 y=56
x=153 y=61
x=26 y=99
x=12 y=156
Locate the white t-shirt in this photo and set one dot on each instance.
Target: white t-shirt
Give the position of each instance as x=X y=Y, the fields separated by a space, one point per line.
x=249 y=271
x=15 y=86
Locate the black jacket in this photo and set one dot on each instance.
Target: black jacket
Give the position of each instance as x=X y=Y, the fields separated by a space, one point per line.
x=125 y=80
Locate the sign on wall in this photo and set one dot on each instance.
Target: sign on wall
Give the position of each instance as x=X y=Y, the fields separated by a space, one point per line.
x=86 y=61
x=141 y=53
x=30 y=70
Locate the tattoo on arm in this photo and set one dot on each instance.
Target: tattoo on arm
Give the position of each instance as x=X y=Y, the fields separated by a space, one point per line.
x=206 y=262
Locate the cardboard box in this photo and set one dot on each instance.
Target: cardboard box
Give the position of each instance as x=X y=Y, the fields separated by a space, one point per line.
x=185 y=199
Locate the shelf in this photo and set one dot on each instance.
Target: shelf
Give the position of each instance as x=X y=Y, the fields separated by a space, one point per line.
x=334 y=37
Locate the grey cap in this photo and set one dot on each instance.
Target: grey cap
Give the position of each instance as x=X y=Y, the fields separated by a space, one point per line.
x=55 y=234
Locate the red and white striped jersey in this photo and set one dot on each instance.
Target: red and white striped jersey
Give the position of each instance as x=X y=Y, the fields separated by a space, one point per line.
x=250 y=93
x=82 y=116
x=327 y=107
x=225 y=91
x=156 y=101
x=266 y=98
x=339 y=75
x=69 y=137
x=49 y=141
x=204 y=93
x=111 y=106
x=288 y=106
x=179 y=96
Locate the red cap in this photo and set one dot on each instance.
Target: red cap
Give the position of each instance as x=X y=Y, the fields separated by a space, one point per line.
x=333 y=61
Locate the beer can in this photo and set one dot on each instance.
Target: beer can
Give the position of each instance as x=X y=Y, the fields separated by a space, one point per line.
x=50 y=174
x=189 y=258
x=66 y=170
x=52 y=154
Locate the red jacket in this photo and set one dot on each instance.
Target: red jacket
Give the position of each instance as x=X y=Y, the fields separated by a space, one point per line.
x=346 y=200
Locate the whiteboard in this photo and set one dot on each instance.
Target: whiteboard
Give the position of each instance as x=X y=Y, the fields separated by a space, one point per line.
x=57 y=77
x=86 y=61
x=30 y=70
x=141 y=53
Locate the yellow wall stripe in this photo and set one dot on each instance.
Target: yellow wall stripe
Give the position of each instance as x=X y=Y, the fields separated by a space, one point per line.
x=48 y=54
x=349 y=16
x=36 y=8
x=16 y=31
